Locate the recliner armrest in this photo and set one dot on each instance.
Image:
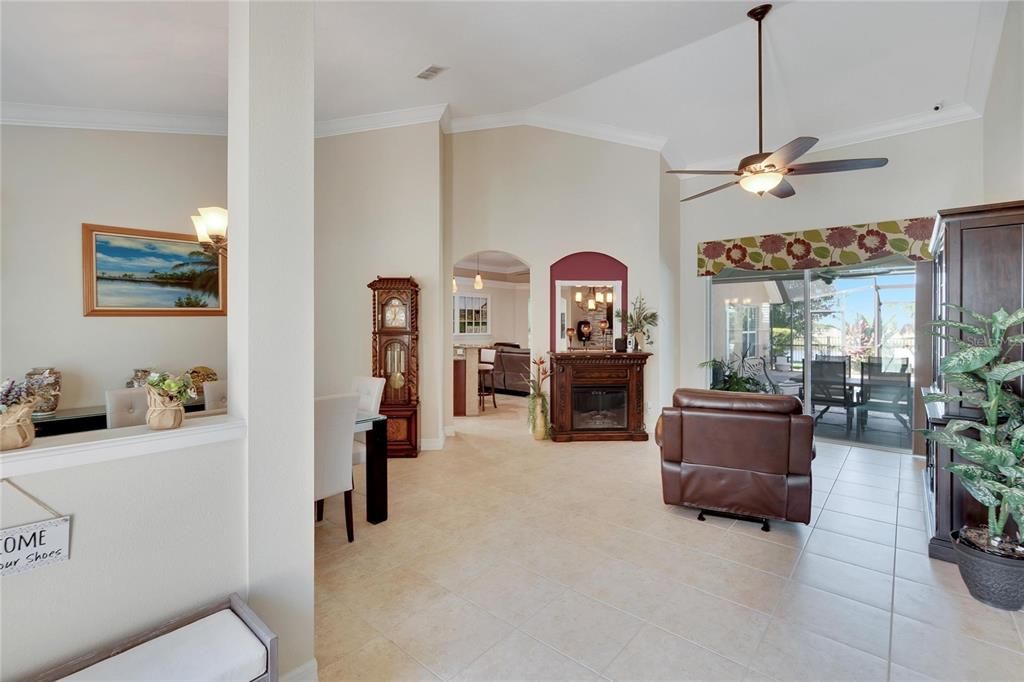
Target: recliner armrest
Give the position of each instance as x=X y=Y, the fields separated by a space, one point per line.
x=801 y=443
x=669 y=434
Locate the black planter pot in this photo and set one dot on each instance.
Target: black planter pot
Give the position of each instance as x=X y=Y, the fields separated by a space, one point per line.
x=993 y=580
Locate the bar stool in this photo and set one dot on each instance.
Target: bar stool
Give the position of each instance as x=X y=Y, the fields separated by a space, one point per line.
x=485 y=370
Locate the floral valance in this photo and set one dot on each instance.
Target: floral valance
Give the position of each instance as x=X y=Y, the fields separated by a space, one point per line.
x=825 y=247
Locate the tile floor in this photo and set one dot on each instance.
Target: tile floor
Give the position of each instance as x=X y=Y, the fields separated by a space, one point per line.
x=508 y=559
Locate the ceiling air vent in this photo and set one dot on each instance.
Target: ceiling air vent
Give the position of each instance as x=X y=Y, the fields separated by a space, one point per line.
x=430 y=72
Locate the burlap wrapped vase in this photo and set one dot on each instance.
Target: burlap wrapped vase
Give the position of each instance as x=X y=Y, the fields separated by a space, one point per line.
x=16 y=428
x=163 y=413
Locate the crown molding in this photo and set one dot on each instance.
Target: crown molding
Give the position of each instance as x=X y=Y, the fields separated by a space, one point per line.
x=466 y=284
x=957 y=113
x=46 y=116
x=434 y=113
x=562 y=124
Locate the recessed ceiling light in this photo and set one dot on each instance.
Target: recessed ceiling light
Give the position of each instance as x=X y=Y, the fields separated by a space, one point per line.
x=430 y=72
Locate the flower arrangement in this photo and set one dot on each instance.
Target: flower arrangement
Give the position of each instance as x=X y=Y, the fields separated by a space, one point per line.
x=170 y=387
x=537 y=412
x=12 y=394
x=166 y=393
x=640 y=319
x=16 y=404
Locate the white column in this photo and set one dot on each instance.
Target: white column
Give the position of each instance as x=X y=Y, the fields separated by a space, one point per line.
x=270 y=317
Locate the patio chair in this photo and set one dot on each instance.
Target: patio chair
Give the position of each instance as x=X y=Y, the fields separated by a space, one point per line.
x=883 y=391
x=831 y=387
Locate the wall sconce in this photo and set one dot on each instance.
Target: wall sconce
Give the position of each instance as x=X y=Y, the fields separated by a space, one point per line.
x=455 y=285
x=211 y=227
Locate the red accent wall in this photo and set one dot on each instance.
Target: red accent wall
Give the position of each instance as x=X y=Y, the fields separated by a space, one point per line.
x=585 y=265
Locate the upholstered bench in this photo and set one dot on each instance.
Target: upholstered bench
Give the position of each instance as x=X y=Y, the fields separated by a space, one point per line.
x=223 y=641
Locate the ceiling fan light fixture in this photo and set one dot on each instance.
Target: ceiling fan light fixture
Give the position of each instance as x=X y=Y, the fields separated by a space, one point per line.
x=759 y=183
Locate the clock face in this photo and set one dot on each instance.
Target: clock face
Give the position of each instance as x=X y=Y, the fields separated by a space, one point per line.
x=394 y=314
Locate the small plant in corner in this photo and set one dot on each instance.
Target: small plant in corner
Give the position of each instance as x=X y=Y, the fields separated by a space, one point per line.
x=991 y=561
x=726 y=376
x=639 y=322
x=537 y=403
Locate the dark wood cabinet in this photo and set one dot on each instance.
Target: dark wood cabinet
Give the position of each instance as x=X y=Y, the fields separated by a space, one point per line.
x=979 y=264
x=597 y=395
x=396 y=358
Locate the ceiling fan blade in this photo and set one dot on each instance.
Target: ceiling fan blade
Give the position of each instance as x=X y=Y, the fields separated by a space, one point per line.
x=790 y=152
x=782 y=190
x=705 y=172
x=711 y=191
x=837 y=166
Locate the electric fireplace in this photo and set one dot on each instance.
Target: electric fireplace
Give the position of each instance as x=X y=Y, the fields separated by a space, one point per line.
x=597 y=395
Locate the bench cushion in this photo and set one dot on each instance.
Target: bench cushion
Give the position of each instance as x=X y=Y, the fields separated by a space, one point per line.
x=217 y=647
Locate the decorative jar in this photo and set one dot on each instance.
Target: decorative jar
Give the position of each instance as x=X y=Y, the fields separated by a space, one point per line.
x=44 y=383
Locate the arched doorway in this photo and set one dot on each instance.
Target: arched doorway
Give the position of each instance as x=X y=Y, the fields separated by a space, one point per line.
x=490 y=315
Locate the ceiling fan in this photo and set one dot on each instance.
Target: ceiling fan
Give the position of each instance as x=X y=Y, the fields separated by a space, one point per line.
x=766 y=172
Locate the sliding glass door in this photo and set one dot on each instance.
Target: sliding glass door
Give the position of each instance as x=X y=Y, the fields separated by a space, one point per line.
x=842 y=339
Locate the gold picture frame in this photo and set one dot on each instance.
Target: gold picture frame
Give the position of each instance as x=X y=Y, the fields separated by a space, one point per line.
x=128 y=272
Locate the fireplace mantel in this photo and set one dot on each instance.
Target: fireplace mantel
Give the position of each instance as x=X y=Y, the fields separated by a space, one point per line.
x=597 y=395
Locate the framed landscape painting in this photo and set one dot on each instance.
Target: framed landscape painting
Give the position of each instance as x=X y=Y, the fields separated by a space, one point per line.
x=129 y=272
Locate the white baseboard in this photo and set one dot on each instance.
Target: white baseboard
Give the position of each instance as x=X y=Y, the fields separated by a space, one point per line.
x=432 y=443
x=449 y=431
x=307 y=672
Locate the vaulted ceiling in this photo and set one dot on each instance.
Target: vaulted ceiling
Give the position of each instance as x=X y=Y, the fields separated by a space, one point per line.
x=673 y=74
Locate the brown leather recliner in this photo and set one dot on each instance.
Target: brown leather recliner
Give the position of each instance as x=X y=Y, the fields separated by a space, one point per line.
x=743 y=454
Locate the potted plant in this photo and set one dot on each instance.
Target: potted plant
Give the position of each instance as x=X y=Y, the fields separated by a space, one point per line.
x=537 y=403
x=16 y=405
x=991 y=561
x=165 y=394
x=639 y=322
x=726 y=376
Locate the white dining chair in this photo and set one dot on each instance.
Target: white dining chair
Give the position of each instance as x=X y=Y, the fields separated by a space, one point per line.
x=215 y=395
x=371 y=391
x=126 y=407
x=334 y=421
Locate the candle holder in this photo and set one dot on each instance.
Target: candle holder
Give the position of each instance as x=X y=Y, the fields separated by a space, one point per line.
x=570 y=334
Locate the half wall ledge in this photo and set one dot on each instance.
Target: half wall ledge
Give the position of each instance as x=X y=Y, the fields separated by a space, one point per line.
x=105 y=445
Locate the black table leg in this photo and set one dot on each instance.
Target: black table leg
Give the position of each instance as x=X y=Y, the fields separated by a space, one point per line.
x=377 y=472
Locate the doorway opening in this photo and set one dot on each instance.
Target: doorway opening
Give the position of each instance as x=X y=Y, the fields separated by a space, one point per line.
x=842 y=339
x=490 y=337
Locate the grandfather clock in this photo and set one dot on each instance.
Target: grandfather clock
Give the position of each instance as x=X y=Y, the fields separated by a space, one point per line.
x=396 y=358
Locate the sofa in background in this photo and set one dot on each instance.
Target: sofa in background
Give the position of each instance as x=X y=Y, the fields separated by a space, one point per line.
x=511 y=369
x=742 y=454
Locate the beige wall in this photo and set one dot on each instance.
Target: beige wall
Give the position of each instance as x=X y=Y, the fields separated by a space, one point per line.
x=377 y=212
x=54 y=180
x=668 y=271
x=152 y=537
x=509 y=313
x=540 y=195
x=1004 y=114
x=927 y=171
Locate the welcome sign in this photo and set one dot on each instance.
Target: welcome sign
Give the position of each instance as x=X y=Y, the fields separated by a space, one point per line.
x=34 y=545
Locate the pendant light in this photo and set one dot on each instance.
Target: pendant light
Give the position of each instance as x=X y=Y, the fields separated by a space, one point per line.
x=579 y=297
x=600 y=297
x=478 y=281
x=608 y=298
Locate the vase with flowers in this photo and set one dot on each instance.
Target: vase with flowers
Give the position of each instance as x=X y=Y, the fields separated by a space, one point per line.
x=166 y=394
x=537 y=403
x=16 y=405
